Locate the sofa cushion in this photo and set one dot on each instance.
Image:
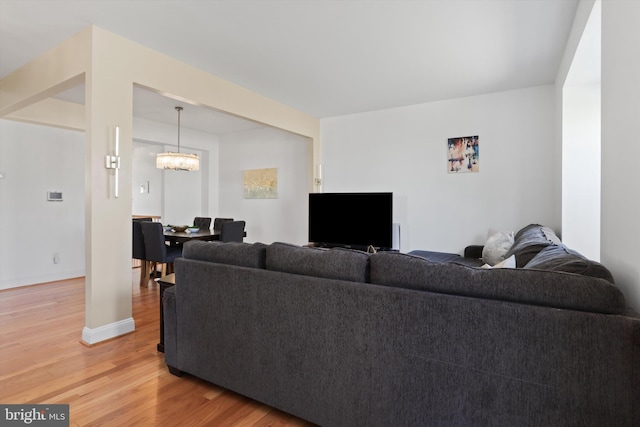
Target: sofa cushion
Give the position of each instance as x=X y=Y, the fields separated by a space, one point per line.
x=233 y=253
x=337 y=263
x=529 y=241
x=561 y=258
x=529 y=286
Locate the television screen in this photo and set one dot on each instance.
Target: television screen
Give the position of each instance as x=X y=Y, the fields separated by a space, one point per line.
x=355 y=220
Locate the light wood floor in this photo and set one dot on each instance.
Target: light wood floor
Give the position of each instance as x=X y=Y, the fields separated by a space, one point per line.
x=122 y=382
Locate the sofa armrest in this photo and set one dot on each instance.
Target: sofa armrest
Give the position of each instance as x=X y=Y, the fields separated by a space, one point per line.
x=473 y=251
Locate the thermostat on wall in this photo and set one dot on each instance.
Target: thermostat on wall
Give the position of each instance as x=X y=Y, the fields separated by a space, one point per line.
x=54 y=196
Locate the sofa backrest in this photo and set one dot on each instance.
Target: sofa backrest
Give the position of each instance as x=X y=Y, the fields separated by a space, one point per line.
x=233 y=253
x=529 y=286
x=337 y=263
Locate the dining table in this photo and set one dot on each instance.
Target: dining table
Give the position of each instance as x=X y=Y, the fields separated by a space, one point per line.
x=180 y=237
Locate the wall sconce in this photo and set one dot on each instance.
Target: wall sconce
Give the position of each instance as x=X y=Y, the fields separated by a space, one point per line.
x=113 y=162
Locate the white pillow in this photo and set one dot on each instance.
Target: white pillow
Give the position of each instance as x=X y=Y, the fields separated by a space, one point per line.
x=507 y=263
x=497 y=246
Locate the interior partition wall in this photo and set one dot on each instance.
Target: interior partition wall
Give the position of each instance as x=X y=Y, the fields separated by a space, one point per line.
x=581 y=143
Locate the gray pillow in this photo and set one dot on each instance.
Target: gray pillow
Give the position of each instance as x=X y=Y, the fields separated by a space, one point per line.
x=561 y=258
x=529 y=241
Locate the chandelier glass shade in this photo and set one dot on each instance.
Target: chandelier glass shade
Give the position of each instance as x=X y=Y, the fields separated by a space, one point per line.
x=178 y=161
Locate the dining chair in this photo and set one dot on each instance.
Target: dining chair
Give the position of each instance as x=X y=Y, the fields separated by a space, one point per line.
x=232 y=231
x=217 y=223
x=138 y=250
x=202 y=222
x=155 y=248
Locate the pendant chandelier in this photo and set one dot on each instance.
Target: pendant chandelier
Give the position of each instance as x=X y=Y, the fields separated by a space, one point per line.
x=178 y=161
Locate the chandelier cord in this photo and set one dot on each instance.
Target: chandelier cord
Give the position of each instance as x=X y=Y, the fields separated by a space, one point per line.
x=179 y=109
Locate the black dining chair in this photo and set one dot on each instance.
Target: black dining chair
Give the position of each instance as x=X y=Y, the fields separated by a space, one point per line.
x=232 y=231
x=217 y=223
x=202 y=223
x=138 y=250
x=155 y=248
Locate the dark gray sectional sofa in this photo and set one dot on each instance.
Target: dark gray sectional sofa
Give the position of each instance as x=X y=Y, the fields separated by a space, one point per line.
x=344 y=338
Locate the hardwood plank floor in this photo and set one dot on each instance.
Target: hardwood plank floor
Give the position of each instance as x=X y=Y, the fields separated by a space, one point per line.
x=121 y=382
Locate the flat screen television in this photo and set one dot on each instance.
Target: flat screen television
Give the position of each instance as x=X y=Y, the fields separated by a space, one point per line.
x=356 y=220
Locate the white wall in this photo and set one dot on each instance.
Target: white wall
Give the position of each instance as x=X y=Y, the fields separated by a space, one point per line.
x=620 y=109
x=581 y=169
x=581 y=142
x=268 y=220
x=144 y=171
x=404 y=150
x=620 y=226
x=32 y=229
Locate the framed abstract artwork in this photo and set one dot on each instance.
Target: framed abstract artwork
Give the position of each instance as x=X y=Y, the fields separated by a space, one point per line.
x=463 y=154
x=261 y=183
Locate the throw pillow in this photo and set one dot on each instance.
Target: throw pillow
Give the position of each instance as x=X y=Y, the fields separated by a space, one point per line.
x=496 y=247
x=561 y=258
x=529 y=241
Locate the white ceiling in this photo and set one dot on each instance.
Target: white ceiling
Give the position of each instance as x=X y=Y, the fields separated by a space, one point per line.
x=323 y=57
x=152 y=106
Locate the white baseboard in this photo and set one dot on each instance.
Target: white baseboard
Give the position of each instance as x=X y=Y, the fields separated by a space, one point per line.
x=17 y=282
x=105 y=332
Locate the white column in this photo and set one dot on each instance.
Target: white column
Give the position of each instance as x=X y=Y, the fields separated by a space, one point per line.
x=620 y=225
x=108 y=100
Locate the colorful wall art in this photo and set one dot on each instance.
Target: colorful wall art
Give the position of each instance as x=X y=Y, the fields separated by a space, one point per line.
x=463 y=154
